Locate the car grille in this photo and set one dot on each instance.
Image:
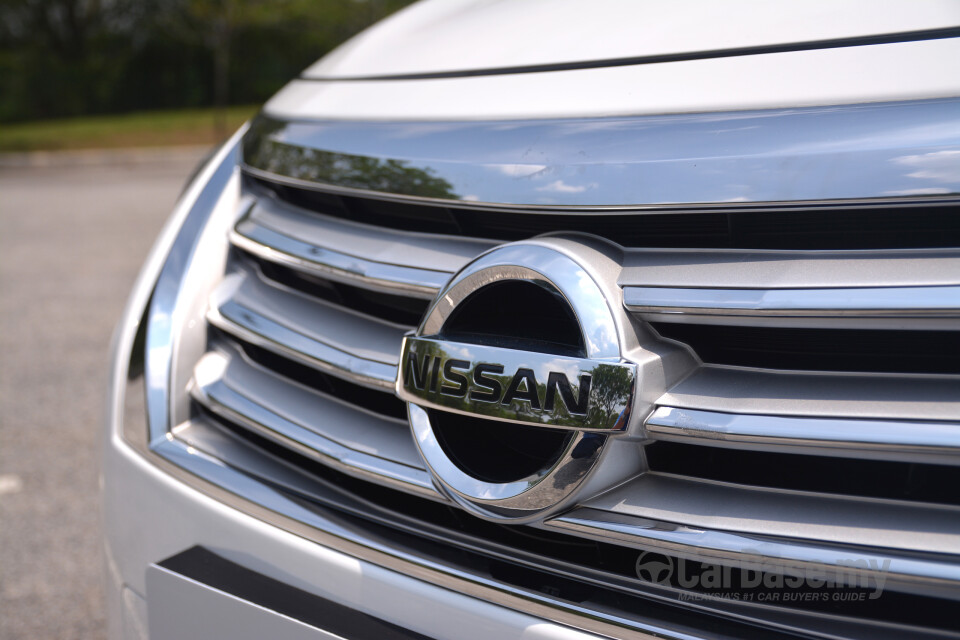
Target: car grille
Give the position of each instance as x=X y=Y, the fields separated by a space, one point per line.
x=820 y=425
x=788 y=227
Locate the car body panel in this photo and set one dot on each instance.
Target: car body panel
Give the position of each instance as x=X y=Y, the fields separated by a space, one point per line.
x=850 y=75
x=471 y=35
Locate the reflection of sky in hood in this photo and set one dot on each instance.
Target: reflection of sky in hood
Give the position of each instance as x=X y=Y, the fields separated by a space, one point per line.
x=797 y=154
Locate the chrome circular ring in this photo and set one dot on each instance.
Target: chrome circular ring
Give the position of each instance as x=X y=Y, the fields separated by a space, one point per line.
x=554 y=486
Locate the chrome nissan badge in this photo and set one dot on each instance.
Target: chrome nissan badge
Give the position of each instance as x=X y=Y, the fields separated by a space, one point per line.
x=515 y=381
x=515 y=385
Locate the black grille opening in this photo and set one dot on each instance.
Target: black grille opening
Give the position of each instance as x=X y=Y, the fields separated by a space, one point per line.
x=497 y=451
x=908 y=481
x=381 y=402
x=519 y=315
x=797 y=226
x=381 y=213
x=855 y=350
x=596 y=575
x=398 y=309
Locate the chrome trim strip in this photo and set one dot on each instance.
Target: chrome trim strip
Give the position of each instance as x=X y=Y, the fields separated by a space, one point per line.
x=249 y=325
x=232 y=405
x=171 y=259
x=888 y=302
x=766 y=206
x=849 y=154
x=276 y=247
x=915 y=575
x=923 y=442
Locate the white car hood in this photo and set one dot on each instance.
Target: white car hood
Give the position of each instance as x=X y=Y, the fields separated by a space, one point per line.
x=443 y=36
x=461 y=60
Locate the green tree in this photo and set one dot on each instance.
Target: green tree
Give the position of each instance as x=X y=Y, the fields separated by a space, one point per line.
x=72 y=57
x=220 y=22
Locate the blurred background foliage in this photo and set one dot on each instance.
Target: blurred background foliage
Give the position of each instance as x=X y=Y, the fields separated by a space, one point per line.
x=61 y=58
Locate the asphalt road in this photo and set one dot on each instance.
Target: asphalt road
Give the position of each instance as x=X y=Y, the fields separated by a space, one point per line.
x=73 y=233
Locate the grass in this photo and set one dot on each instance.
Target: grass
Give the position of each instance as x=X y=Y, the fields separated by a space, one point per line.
x=141 y=129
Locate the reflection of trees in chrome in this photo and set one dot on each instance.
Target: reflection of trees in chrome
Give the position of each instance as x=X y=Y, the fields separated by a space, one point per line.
x=610 y=390
x=598 y=397
x=610 y=395
x=418 y=362
x=519 y=408
x=263 y=151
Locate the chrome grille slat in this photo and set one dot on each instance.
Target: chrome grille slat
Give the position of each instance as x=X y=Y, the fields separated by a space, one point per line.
x=931 y=576
x=395 y=262
x=817 y=395
x=888 y=302
x=793 y=531
x=775 y=269
x=774 y=513
x=907 y=289
x=911 y=441
x=327 y=337
x=285 y=413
